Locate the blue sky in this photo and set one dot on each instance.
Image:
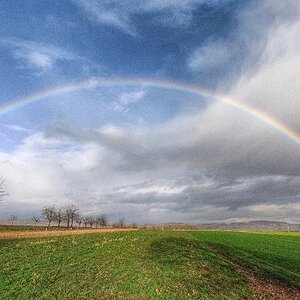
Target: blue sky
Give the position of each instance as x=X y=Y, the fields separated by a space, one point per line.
x=150 y=154
x=65 y=40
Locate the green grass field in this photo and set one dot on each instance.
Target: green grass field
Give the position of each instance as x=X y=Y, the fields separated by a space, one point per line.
x=143 y=265
x=274 y=255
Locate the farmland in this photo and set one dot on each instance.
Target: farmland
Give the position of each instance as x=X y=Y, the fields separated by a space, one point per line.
x=275 y=255
x=149 y=265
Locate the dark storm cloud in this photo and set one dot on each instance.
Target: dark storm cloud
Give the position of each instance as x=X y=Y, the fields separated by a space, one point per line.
x=217 y=192
x=191 y=143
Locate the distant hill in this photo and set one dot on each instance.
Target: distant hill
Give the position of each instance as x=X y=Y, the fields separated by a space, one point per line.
x=252 y=226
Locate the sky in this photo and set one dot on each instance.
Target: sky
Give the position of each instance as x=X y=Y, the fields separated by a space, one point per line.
x=157 y=142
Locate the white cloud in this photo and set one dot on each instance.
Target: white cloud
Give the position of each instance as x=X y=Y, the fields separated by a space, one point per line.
x=15 y=127
x=126 y=99
x=114 y=14
x=36 y=55
x=44 y=168
x=272 y=85
x=120 y=14
x=40 y=60
x=213 y=54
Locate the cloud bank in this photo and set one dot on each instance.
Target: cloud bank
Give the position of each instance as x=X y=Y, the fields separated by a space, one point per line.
x=205 y=165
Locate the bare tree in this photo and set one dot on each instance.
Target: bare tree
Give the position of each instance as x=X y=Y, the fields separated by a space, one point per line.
x=59 y=216
x=91 y=221
x=120 y=224
x=71 y=213
x=134 y=226
x=36 y=220
x=85 y=221
x=97 y=221
x=13 y=218
x=49 y=213
x=79 y=220
x=103 y=220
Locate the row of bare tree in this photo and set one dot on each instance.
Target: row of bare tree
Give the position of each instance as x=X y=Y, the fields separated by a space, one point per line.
x=70 y=215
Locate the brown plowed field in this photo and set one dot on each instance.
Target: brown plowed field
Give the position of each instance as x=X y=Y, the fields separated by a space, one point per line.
x=50 y=233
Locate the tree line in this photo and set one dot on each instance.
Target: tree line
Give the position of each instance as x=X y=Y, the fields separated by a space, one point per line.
x=70 y=215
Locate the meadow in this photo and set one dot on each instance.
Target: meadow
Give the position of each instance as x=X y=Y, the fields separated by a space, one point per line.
x=148 y=265
x=276 y=256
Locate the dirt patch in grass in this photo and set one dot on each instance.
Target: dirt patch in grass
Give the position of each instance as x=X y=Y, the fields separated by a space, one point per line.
x=47 y=233
x=263 y=287
x=266 y=289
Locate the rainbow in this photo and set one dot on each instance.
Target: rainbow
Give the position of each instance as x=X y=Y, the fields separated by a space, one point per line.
x=163 y=84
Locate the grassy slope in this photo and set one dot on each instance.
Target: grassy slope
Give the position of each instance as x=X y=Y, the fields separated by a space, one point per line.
x=152 y=265
x=276 y=255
